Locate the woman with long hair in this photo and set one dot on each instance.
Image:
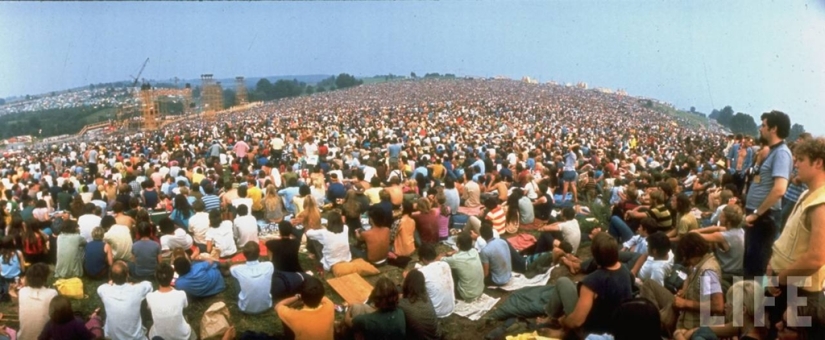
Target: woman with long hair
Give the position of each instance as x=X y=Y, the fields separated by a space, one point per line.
x=70 y=252
x=310 y=216
x=11 y=263
x=513 y=216
x=63 y=324
x=333 y=241
x=426 y=221
x=274 y=211
x=382 y=319
x=182 y=212
x=143 y=216
x=76 y=207
x=419 y=314
x=35 y=243
x=351 y=210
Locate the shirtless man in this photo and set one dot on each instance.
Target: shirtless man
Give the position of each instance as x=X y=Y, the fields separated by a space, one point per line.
x=742 y=162
x=396 y=195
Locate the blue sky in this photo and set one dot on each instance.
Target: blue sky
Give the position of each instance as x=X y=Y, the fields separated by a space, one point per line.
x=752 y=55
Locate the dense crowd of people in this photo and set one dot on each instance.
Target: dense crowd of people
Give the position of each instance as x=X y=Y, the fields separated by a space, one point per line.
x=499 y=171
x=98 y=97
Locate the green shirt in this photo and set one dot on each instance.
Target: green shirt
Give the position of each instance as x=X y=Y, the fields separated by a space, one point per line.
x=381 y=325
x=469 y=274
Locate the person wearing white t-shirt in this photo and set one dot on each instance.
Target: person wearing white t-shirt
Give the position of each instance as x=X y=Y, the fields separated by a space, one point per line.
x=88 y=221
x=657 y=266
x=34 y=300
x=122 y=300
x=335 y=242
x=199 y=225
x=220 y=237
x=245 y=227
x=438 y=279
x=569 y=228
x=166 y=305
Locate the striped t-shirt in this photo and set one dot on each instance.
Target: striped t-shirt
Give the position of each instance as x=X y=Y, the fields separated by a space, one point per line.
x=499 y=219
x=662 y=217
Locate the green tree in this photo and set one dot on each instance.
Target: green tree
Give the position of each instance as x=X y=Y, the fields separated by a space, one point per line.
x=310 y=90
x=264 y=86
x=725 y=116
x=796 y=130
x=345 y=80
x=412 y=75
x=196 y=92
x=743 y=123
x=320 y=89
x=2 y=101
x=714 y=114
x=228 y=98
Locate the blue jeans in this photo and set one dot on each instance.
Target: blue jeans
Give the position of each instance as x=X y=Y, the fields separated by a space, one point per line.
x=758 y=242
x=619 y=229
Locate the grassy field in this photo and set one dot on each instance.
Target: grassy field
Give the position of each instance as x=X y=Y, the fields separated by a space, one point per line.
x=100 y=115
x=455 y=327
x=690 y=119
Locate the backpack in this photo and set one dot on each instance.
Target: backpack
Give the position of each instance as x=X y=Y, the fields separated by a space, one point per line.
x=459 y=221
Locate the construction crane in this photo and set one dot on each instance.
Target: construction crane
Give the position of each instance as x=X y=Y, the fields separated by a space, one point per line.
x=139 y=73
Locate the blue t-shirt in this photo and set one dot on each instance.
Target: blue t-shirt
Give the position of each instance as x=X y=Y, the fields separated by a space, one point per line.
x=497 y=255
x=779 y=163
x=204 y=279
x=146 y=257
x=11 y=269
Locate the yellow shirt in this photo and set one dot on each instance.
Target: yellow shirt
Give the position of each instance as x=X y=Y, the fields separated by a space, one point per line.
x=257 y=198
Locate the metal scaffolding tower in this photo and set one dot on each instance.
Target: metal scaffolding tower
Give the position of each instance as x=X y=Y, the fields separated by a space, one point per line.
x=241 y=97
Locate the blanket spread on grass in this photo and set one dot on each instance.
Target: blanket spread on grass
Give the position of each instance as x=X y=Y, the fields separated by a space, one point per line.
x=519 y=281
x=476 y=309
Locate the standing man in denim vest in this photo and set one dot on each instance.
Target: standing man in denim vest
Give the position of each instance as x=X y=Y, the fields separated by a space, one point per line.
x=765 y=194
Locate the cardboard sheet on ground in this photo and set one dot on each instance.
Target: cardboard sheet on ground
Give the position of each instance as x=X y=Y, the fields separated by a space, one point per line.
x=353 y=288
x=476 y=309
x=519 y=281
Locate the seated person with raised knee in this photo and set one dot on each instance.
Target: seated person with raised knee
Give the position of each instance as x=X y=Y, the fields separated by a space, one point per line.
x=198 y=278
x=599 y=294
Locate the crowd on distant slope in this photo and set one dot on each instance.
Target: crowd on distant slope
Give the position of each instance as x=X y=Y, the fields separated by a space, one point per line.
x=76 y=98
x=501 y=171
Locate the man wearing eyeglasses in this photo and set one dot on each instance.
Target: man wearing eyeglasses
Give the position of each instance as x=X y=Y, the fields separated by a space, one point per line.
x=765 y=193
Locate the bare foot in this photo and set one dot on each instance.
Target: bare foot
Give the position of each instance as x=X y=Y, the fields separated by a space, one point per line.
x=572 y=266
x=542 y=320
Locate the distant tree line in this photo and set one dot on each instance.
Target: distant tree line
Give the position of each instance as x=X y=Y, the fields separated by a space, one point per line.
x=433 y=75
x=266 y=90
x=40 y=123
x=745 y=124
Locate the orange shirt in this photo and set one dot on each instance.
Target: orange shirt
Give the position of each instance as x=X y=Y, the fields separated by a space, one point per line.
x=309 y=323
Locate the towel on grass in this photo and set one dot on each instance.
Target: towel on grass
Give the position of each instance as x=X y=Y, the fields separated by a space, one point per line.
x=519 y=281
x=475 y=309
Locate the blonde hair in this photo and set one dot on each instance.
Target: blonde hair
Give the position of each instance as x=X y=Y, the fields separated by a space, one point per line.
x=313 y=214
x=273 y=200
x=97 y=233
x=424 y=205
x=733 y=216
x=751 y=294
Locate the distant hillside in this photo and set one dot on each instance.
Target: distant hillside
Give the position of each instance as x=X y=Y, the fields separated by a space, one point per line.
x=229 y=83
